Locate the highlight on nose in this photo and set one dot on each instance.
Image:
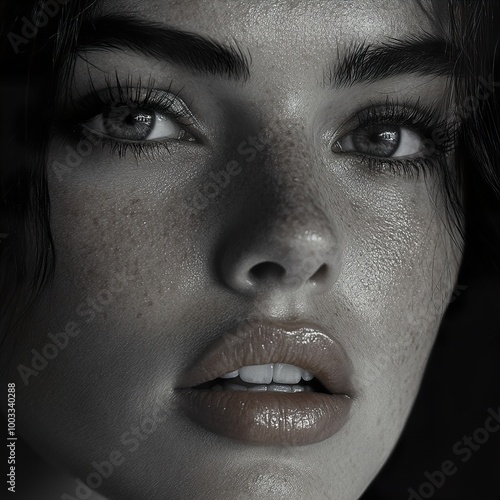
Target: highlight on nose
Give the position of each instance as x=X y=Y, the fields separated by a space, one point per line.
x=309 y=260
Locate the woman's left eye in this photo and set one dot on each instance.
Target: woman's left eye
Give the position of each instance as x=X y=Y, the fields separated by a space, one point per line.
x=381 y=141
x=135 y=124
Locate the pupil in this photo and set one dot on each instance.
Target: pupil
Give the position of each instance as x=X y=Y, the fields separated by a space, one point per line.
x=379 y=140
x=129 y=124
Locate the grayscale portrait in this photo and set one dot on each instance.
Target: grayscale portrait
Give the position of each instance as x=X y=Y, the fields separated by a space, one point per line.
x=250 y=249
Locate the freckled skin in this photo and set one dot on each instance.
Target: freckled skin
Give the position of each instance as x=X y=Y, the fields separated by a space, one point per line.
x=390 y=259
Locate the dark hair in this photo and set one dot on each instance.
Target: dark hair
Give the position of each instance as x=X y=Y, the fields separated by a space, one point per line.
x=39 y=62
x=474 y=28
x=37 y=41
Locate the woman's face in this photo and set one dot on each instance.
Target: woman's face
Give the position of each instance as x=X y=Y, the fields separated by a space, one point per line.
x=289 y=198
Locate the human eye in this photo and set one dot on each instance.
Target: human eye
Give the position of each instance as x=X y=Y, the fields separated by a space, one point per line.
x=398 y=139
x=383 y=141
x=133 y=116
x=130 y=122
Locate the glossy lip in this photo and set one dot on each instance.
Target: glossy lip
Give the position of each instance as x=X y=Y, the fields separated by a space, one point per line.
x=271 y=418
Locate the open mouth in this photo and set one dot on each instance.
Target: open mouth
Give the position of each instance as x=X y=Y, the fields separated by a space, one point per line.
x=272 y=377
x=269 y=384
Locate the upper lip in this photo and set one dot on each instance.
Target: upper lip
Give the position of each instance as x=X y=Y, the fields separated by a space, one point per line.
x=253 y=342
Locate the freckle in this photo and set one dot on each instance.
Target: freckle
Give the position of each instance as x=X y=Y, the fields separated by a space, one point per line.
x=150 y=303
x=139 y=315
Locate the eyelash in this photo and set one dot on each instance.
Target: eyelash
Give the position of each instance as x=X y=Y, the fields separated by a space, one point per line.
x=421 y=119
x=424 y=120
x=134 y=94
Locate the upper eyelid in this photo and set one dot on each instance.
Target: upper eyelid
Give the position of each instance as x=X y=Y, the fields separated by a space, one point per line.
x=383 y=113
x=100 y=100
x=116 y=86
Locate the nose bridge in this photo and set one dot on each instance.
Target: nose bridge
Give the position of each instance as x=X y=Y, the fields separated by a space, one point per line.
x=288 y=187
x=285 y=238
x=286 y=168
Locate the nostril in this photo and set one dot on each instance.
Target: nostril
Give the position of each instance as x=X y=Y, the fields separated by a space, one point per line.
x=267 y=270
x=320 y=275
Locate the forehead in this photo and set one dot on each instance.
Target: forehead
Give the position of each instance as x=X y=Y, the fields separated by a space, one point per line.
x=308 y=26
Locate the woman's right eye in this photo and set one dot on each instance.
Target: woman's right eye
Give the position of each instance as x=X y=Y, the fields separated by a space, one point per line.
x=130 y=123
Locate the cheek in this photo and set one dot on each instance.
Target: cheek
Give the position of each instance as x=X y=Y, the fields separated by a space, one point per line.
x=121 y=254
x=109 y=214
x=400 y=263
x=400 y=271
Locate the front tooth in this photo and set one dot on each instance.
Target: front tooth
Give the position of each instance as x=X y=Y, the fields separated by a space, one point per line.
x=279 y=388
x=257 y=374
x=307 y=376
x=230 y=374
x=287 y=374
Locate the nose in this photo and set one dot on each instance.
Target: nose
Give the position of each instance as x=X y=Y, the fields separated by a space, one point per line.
x=284 y=245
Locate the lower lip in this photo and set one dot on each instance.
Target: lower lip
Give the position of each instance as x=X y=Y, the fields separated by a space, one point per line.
x=265 y=418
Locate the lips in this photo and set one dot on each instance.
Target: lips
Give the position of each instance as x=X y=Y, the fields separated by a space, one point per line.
x=270 y=417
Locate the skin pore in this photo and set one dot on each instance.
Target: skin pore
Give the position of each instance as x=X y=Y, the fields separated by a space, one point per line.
x=160 y=278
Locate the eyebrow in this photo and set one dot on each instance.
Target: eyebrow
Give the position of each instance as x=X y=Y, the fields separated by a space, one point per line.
x=366 y=63
x=162 y=42
x=361 y=62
